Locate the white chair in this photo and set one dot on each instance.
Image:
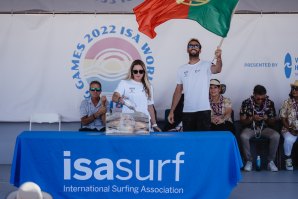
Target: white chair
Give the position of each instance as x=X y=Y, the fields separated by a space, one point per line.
x=45 y=118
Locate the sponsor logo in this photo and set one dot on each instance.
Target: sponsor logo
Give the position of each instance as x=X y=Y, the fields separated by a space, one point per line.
x=288 y=65
x=105 y=55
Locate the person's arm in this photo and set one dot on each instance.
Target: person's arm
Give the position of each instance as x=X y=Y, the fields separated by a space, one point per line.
x=248 y=120
x=245 y=120
x=289 y=127
x=119 y=92
x=153 y=118
x=87 y=119
x=227 y=105
x=176 y=97
x=269 y=121
x=117 y=98
x=216 y=68
x=103 y=110
x=103 y=118
x=286 y=124
x=227 y=113
x=270 y=116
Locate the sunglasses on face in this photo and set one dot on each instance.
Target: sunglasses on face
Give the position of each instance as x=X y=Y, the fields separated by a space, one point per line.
x=95 y=89
x=260 y=98
x=138 y=71
x=294 y=88
x=194 y=46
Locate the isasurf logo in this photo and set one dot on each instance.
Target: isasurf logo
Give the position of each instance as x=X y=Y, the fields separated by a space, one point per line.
x=105 y=55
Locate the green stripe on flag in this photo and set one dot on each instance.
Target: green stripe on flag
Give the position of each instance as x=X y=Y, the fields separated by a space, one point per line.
x=215 y=16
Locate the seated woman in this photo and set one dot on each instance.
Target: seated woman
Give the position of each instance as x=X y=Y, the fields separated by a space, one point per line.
x=221 y=108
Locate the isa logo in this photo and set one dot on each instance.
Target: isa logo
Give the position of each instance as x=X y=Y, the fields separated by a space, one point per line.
x=105 y=55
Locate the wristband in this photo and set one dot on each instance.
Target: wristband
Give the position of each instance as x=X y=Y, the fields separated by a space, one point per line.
x=154 y=125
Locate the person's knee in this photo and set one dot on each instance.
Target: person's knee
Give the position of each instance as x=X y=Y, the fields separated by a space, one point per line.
x=275 y=136
x=289 y=140
x=244 y=136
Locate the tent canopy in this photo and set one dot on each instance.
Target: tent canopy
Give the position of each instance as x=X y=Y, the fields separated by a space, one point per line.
x=126 y=6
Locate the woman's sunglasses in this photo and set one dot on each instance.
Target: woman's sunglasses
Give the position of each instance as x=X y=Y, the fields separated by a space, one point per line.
x=138 y=71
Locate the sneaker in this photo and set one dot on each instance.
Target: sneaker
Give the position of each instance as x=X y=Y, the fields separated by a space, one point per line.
x=289 y=165
x=248 y=166
x=272 y=167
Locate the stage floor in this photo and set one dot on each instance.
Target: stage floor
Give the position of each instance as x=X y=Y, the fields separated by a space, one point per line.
x=257 y=185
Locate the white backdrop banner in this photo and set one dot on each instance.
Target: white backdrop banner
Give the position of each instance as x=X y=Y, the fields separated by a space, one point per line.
x=47 y=61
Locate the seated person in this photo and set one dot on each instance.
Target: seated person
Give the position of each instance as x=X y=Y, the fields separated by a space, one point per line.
x=93 y=110
x=257 y=115
x=288 y=115
x=221 y=108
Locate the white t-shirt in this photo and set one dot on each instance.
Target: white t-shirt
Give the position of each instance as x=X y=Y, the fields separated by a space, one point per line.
x=196 y=81
x=135 y=92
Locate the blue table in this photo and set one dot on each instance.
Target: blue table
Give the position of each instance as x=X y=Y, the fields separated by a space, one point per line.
x=72 y=165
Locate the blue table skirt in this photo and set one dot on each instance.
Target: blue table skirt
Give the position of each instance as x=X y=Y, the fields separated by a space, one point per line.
x=204 y=165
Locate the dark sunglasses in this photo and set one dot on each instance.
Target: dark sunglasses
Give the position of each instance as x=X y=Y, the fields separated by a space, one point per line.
x=294 y=88
x=138 y=71
x=260 y=98
x=194 y=46
x=95 y=89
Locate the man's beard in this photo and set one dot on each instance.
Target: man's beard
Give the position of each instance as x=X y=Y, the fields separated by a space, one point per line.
x=194 y=55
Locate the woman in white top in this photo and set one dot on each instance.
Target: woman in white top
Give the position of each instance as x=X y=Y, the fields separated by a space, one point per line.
x=137 y=89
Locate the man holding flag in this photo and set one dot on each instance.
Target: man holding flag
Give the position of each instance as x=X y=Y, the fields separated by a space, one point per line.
x=193 y=79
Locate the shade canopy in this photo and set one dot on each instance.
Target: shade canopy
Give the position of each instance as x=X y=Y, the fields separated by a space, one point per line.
x=126 y=6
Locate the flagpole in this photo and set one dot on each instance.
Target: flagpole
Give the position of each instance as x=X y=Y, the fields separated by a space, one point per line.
x=220 y=43
x=218 y=47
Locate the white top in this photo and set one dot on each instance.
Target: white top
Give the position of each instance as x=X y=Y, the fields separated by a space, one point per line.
x=135 y=92
x=196 y=81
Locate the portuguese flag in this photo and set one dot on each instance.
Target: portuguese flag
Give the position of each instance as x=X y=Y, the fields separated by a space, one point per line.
x=214 y=15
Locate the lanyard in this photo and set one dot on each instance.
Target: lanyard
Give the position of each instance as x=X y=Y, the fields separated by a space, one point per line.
x=258 y=132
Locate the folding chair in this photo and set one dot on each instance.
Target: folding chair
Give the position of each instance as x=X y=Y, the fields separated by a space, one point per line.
x=45 y=118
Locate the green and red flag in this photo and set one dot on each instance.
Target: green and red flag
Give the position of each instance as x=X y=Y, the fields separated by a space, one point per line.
x=214 y=15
